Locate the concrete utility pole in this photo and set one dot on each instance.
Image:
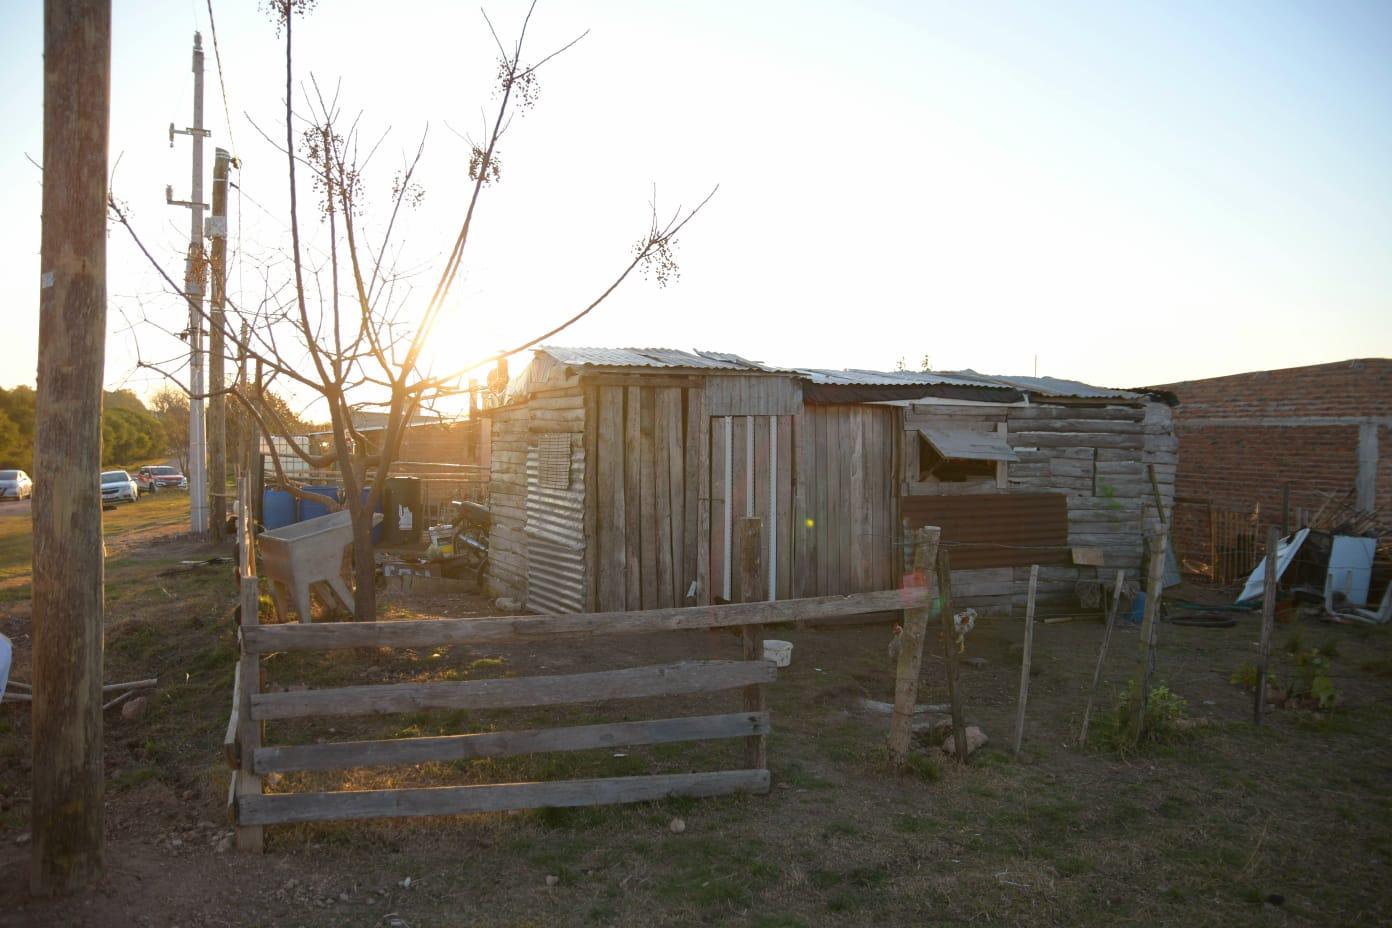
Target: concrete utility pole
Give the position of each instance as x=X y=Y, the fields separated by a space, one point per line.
x=195 y=269
x=68 y=565
x=217 y=402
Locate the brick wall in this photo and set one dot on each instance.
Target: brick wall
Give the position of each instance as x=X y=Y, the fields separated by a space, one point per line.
x=1361 y=387
x=1238 y=467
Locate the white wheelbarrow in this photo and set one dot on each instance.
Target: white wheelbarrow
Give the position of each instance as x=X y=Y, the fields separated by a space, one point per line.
x=308 y=556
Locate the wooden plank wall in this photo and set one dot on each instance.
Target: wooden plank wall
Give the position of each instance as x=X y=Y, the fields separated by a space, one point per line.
x=754 y=395
x=845 y=510
x=647 y=495
x=1096 y=455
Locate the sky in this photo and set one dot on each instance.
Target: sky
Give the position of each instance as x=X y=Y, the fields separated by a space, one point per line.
x=1123 y=194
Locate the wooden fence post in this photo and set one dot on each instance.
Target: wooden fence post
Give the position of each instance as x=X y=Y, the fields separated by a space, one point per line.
x=910 y=662
x=954 y=683
x=1025 y=661
x=246 y=782
x=1155 y=578
x=1102 y=655
x=751 y=562
x=1273 y=541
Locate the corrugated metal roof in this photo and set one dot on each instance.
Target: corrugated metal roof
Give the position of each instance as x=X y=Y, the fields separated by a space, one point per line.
x=864 y=378
x=1053 y=386
x=651 y=357
x=1042 y=386
x=717 y=360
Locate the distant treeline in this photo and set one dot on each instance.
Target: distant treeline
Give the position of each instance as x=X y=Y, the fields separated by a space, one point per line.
x=130 y=432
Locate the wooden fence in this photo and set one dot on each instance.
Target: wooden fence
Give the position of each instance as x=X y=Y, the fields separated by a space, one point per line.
x=251 y=759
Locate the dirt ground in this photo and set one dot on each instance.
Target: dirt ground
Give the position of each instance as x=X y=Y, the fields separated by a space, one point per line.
x=1223 y=824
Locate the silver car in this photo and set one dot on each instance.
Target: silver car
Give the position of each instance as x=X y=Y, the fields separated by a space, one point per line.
x=117 y=486
x=15 y=484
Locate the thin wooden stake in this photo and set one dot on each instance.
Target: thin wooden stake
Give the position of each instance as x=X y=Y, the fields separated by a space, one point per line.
x=751 y=562
x=1145 y=654
x=954 y=683
x=1025 y=661
x=1102 y=655
x=911 y=647
x=1273 y=541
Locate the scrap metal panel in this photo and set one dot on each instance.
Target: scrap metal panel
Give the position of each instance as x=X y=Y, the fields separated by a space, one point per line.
x=996 y=529
x=556 y=535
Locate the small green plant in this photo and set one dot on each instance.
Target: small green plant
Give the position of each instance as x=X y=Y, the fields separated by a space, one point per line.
x=1166 y=719
x=1302 y=679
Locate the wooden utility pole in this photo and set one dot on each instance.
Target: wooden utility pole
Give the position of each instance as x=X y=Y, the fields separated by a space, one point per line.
x=216 y=228
x=68 y=562
x=1273 y=543
x=910 y=661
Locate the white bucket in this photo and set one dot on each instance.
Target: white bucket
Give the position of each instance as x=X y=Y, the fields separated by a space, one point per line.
x=780 y=652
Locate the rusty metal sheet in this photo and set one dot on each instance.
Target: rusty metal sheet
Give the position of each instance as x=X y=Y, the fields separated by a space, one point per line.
x=997 y=529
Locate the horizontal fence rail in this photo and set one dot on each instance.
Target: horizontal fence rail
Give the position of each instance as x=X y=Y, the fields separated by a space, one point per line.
x=278 y=809
x=444 y=748
x=425 y=633
x=515 y=692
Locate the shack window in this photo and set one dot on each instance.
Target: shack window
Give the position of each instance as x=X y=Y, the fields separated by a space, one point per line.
x=553 y=460
x=956 y=455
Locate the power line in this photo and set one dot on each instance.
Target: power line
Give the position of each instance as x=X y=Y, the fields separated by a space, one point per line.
x=222 y=85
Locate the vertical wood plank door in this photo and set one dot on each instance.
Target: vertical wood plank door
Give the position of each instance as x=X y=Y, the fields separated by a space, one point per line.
x=845 y=526
x=647 y=503
x=751 y=475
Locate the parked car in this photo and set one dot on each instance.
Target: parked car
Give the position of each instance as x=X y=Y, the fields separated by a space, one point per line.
x=15 y=484
x=118 y=486
x=164 y=475
x=146 y=482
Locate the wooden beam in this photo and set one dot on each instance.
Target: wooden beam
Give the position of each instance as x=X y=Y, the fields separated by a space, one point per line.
x=462 y=800
x=515 y=692
x=401 y=751
x=751 y=636
x=1102 y=655
x=327 y=636
x=954 y=683
x=230 y=743
x=1025 y=662
x=1273 y=541
x=1149 y=630
x=911 y=639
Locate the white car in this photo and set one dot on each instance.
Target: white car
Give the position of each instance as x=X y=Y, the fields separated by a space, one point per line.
x=118 y=486
x=15 y=484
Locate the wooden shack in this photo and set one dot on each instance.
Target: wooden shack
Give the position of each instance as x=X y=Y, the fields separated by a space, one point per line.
x=618 y=477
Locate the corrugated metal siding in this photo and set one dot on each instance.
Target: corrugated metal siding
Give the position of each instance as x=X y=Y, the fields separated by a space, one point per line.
x=996 y=530
x=556 y=536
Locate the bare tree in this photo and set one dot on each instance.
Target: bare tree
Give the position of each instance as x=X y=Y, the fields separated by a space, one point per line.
x=343 y=330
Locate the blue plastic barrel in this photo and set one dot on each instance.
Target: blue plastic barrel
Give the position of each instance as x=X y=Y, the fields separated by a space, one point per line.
x=309 y=509
x=278 y=509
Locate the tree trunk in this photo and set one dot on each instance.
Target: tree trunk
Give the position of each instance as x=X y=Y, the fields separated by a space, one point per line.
x=67 y=515
x=364 y=567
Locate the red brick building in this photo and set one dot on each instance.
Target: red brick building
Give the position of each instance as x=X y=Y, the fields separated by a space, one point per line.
x=1247 y=440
